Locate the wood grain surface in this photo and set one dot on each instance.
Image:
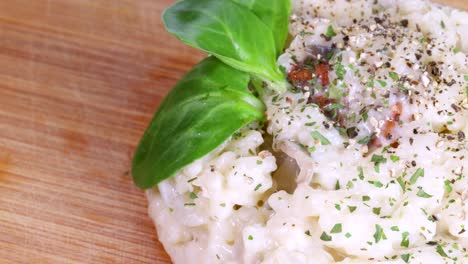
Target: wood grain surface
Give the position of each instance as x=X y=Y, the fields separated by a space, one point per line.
x=79 y=81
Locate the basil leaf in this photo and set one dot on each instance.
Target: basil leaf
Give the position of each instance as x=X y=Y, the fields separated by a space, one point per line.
x=203 y=110
x=275 y=15
x=230 y=32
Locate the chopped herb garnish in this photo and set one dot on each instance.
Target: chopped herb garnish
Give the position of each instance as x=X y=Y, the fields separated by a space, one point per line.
x=340 y=70
x=365 y=140
x=442 y=24
x=377 y=160
x=338 y=207
x=258 y=187
x=317 y=136
x=423 y=194
x=365 y=116
x=347 y=235
x=335 y=92
x=259 y=162
x=352 y=208
x=191 y=180
x=325 y=237
x=466 y=77
x=402 y=183
x=394 y=158
x=193 y=195
x=307 y=232
x=441 y=251
x=376 y=210
x=394 y=76
x=404 y=240
x=303 y=33
x=330 y=32
x=361 y=173
x=376 y=184
x=189 y=204
x=365 y=198
x=405 y=257
x=337 y=185
x=382 y=83
x=402 y=88
x=448 y=186
x=395 y=228
x=419 y=173
x=337 y=228
x=379 y=234
x=250 y=237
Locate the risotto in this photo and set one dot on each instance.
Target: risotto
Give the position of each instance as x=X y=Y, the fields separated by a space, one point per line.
x=361 y=161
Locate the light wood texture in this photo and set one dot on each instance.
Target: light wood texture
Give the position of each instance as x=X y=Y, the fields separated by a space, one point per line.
x=79 y=81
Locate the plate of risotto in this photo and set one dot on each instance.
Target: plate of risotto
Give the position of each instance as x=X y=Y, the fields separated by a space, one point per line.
x=315 y=131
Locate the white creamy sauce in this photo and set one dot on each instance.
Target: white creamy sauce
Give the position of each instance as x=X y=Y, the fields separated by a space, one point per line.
x=383 y=170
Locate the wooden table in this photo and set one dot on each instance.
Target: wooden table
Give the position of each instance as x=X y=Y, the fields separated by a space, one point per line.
x=79 y=81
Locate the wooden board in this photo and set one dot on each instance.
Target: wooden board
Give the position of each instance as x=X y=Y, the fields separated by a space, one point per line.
x=79 y=81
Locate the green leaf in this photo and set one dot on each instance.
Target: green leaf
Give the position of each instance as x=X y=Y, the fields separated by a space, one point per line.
x=202 y=111
x=317 y=136
x=275 y=15
x=230 y=32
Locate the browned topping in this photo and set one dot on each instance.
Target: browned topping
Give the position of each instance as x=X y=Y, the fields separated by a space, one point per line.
x=321 y=71
x=298 y=74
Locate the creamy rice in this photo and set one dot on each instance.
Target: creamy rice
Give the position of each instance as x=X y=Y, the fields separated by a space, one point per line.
x=402 y=196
